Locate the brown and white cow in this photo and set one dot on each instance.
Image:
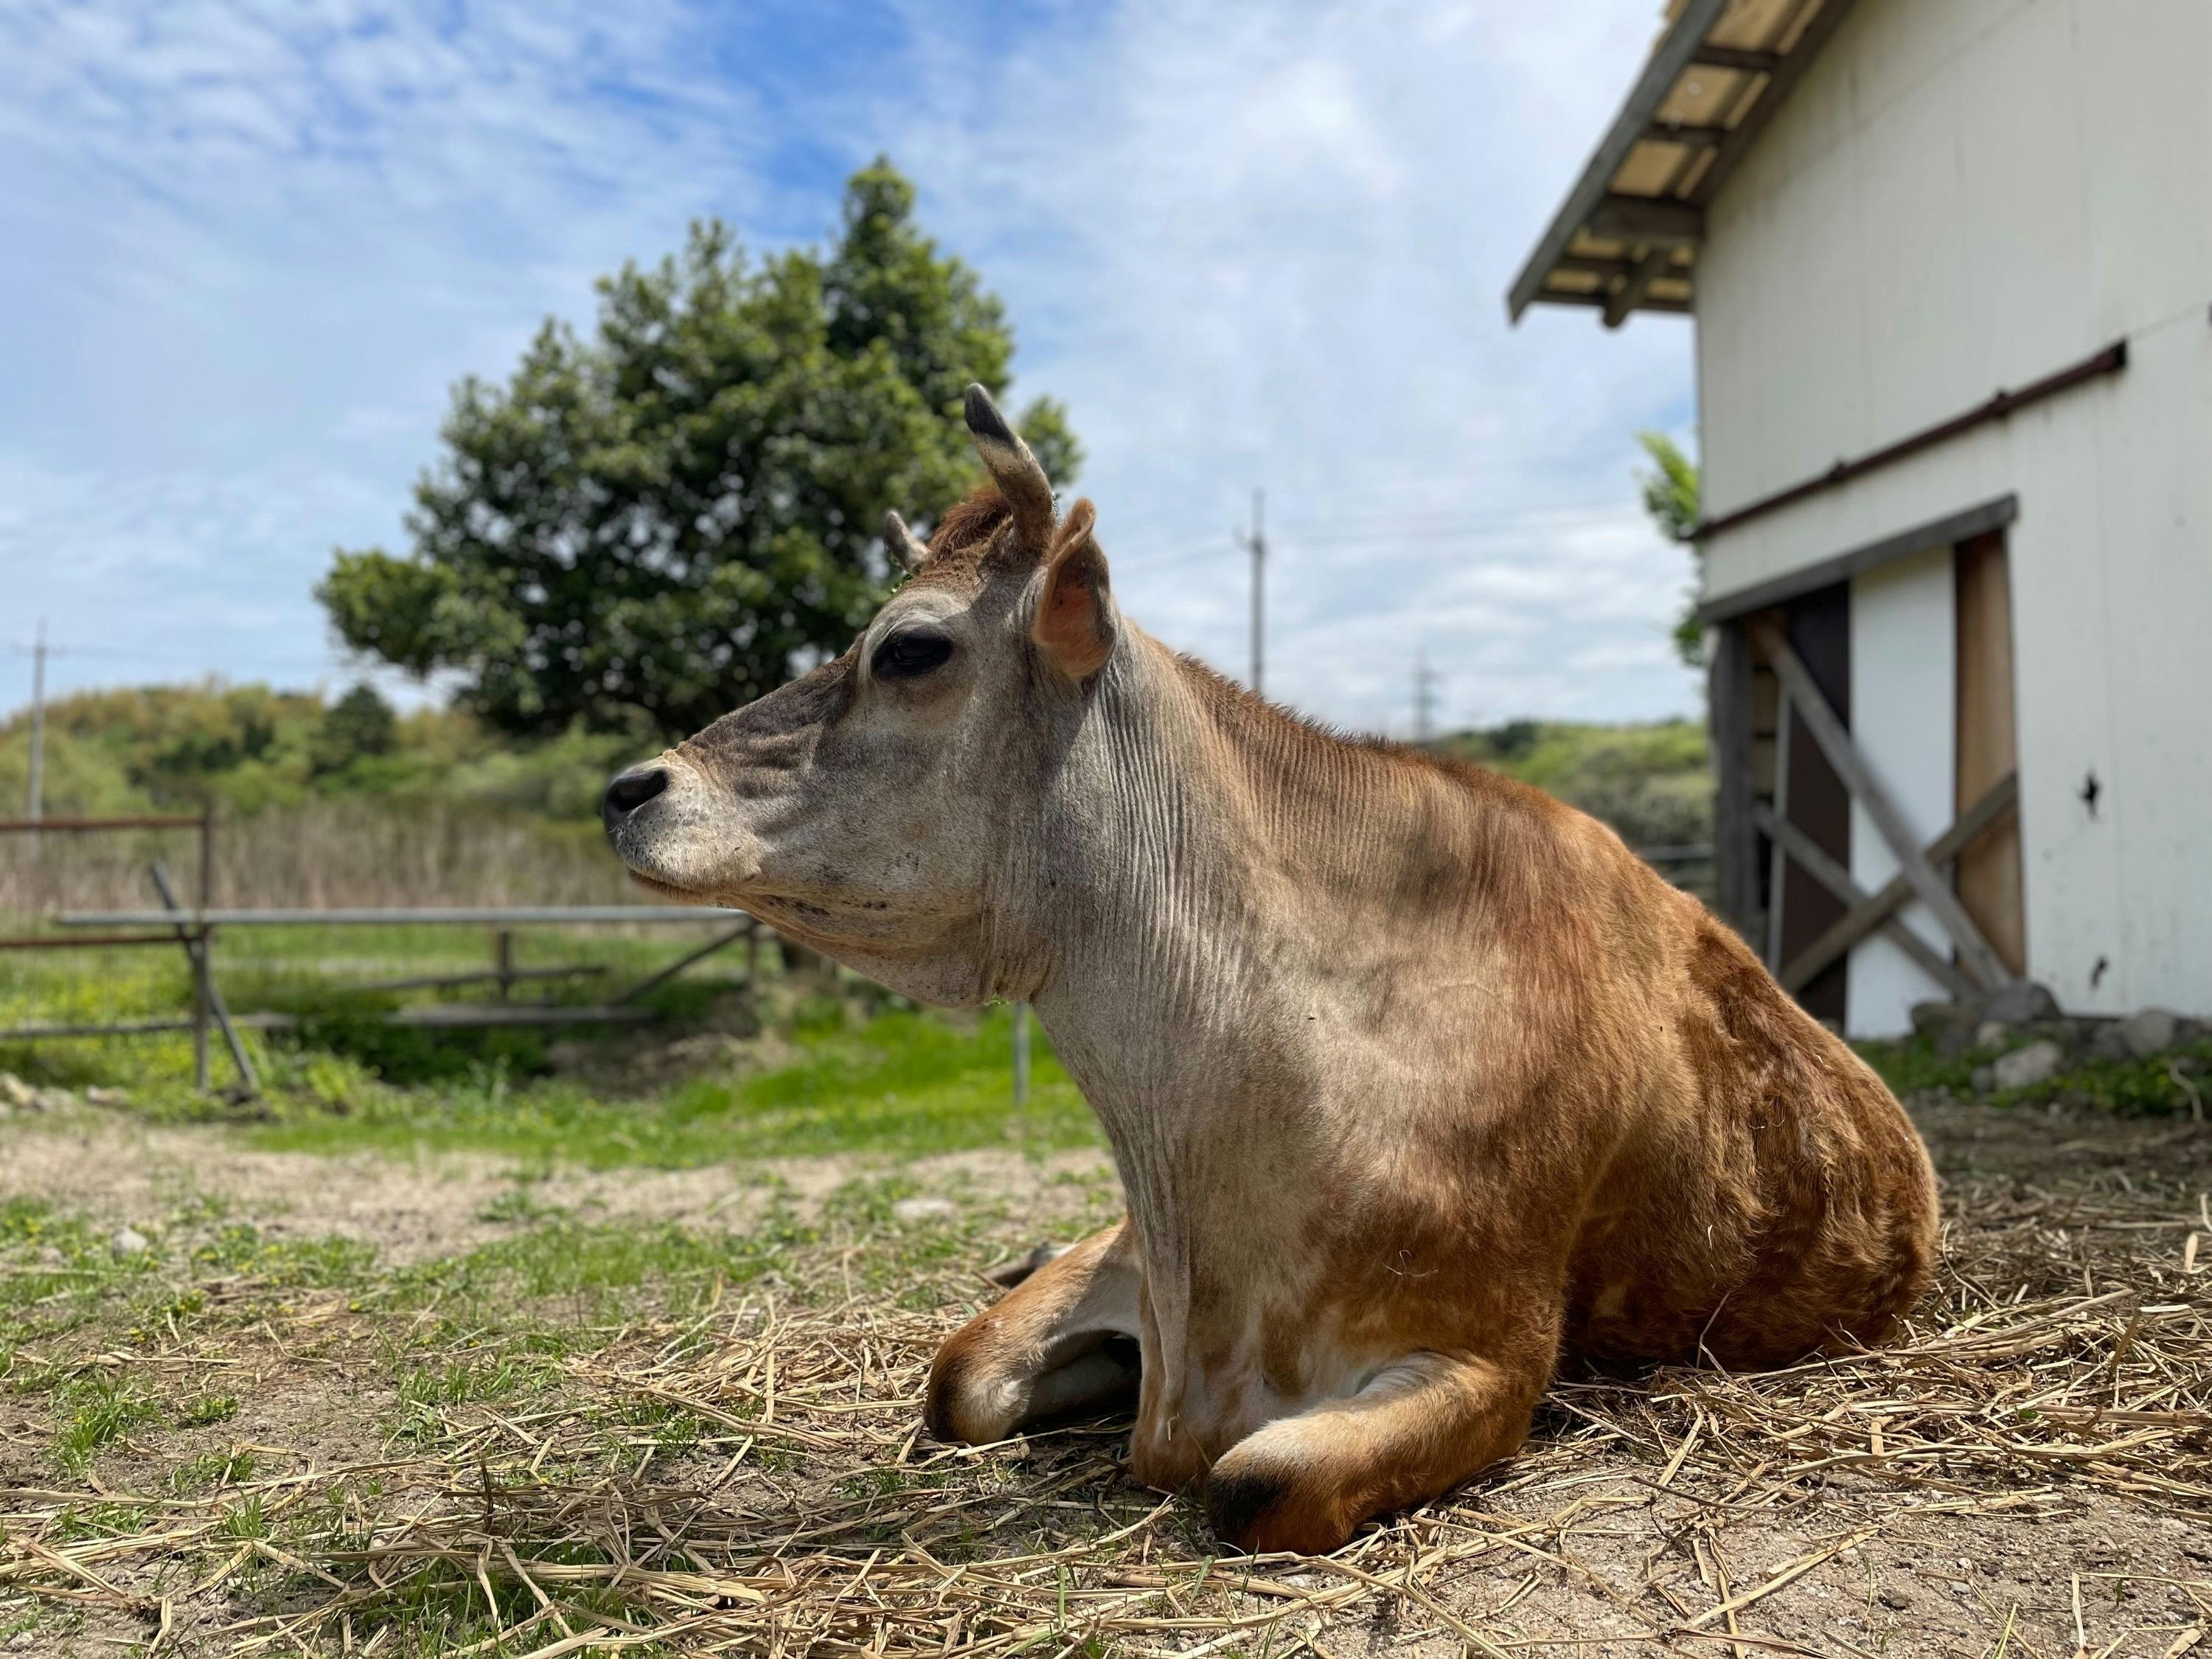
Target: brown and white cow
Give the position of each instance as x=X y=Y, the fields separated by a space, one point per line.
x=1415 y=1077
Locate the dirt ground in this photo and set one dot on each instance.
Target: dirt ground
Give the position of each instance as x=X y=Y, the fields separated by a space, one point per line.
x=122 y=1173
x=2030 y=1473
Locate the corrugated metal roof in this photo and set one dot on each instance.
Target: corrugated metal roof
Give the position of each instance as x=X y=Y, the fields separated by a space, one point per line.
x=1626 y=237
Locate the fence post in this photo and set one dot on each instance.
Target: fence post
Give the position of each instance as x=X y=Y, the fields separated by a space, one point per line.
x=198 y=940
x=203 y=959
x=504 y=946
x=207 y=854
x=1021 y=1053
x=200 y=1009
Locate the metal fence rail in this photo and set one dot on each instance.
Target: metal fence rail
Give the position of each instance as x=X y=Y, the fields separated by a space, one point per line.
x=434 y=1016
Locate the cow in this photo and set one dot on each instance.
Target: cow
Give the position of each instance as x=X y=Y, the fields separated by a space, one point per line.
x=1417 y=1079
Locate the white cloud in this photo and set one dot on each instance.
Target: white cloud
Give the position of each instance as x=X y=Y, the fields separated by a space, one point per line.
x=1270 y=248
x=1248 y=246
x=251 y=248
x=1272 y=251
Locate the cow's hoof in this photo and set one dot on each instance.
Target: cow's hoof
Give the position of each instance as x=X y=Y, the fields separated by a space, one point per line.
x=1264 y=1510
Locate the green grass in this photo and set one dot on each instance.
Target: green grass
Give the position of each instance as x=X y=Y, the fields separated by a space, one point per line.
x=571 y=1259
x=203 y=1409
x=317 y=973
x=283 y=1264
x=484 y=1326
x=905 y=1083
x=139 y=1364
x=137 y=1367
x=95 y=1414
x=211 y=1470
x=422 y=1347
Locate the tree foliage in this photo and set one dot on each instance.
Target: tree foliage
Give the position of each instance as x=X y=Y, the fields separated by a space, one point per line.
x=358 y=724
x=644 y=530
x=1670 y=496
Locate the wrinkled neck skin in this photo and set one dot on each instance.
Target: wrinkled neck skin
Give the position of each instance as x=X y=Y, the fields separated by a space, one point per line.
x=1141 y=886
x=1196 y=904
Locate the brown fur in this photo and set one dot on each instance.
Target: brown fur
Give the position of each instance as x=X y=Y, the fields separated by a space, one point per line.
x=1418 y=1079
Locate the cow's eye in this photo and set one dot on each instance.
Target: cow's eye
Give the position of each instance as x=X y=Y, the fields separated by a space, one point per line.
x=905 y=656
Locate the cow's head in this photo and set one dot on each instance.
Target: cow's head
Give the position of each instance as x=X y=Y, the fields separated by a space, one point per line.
x=871 y=808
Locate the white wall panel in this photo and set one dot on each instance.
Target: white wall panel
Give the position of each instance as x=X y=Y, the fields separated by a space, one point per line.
x=2153 y=552
x=1959 y=197
x=1904 y=679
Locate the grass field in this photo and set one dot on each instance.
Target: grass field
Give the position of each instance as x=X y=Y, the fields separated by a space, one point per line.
x=906 y=1083
x=840 y=1068
x=317 y=971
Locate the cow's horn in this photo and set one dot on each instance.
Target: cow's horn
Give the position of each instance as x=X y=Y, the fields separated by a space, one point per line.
x=1012 y=468
x=903 y=544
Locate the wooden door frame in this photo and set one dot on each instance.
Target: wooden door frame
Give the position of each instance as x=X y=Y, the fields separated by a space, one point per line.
x=1747 y=640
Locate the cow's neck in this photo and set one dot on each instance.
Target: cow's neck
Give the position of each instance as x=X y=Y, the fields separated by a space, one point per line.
x=1202 y=868
x=1166 y=897
x=1197 y=860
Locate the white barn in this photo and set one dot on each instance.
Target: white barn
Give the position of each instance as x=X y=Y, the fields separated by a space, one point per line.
x=1950 y=263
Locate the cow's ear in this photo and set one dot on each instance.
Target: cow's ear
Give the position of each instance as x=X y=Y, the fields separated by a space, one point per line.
x=1075 y=623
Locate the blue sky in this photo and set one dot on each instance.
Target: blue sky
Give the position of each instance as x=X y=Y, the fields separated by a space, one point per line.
x=245 y=250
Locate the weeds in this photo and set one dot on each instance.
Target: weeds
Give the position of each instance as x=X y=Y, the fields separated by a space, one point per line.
x=96 y=1413
x=2177 y=1083
x=210 y=1469
x=734 y=1464
x=203 y=1410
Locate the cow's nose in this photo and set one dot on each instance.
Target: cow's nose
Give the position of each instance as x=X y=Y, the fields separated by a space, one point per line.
x=629 y=791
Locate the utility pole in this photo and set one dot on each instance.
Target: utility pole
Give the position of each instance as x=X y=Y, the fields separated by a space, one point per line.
x=38 y=720
x=1256 y=543
x=1425 y=695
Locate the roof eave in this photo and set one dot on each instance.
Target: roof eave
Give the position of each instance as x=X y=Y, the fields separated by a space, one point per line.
x=1673 y=55
x=1653 y=228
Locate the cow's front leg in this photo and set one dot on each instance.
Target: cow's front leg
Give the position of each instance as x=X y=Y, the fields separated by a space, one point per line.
x=1046 y=1349
x=1421 y=1426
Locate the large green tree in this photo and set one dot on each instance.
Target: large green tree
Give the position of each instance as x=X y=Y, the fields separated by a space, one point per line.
x=646 y=529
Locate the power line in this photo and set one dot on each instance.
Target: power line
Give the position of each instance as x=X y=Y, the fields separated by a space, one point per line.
x=333 y=665
x=1378 y=533
x=1328 y=512
x=1432 y=518
x=334 y=660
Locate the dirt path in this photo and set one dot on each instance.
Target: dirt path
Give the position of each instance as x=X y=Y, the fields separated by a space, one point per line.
x=126 y=1173
x=2031 y=1473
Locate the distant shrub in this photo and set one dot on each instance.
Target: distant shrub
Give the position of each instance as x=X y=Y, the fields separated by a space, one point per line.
x=1652 y=783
